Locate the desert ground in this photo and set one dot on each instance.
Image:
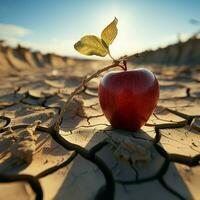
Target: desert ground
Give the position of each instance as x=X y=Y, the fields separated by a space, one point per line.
x=86 y=158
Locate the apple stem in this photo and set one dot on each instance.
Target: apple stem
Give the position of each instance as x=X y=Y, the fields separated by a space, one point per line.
x=125 y=64
x=77 y=90
x=111 y=55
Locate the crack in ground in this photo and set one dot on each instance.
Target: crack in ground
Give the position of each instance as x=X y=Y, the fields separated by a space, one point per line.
x=159 y=174
x=56 y=167
x=190 y=161
x=7 y=119
x=172 y=191
x=88 y=117
x=31 y=180
x=107 y=191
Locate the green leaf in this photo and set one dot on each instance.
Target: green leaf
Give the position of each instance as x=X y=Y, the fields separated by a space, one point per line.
x=91 y=45
x=110 y=32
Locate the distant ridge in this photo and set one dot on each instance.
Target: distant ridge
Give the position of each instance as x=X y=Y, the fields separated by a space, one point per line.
x=21 y=58
x=181 y=53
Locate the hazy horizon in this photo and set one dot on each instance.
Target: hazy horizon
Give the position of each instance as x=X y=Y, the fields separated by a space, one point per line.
x=54 y=26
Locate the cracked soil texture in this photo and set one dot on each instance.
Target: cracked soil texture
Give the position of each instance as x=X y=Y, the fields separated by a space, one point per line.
x=88 y=159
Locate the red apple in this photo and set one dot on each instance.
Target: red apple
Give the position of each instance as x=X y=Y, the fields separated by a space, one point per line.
x=128 y=98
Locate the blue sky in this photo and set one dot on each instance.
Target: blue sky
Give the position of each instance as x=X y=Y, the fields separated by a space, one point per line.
x=54 y=26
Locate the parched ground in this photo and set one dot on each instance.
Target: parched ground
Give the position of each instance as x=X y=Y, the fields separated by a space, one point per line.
x=88 y=159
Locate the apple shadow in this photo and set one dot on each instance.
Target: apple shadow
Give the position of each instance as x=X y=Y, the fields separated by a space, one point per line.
x=87 y=187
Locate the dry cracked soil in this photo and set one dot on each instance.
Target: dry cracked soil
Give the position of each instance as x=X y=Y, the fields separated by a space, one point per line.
x=86 y=158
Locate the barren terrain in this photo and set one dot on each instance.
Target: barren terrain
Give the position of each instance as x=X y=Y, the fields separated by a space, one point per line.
x=87 y=158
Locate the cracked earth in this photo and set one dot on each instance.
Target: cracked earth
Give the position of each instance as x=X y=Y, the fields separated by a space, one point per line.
x=87 y=158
